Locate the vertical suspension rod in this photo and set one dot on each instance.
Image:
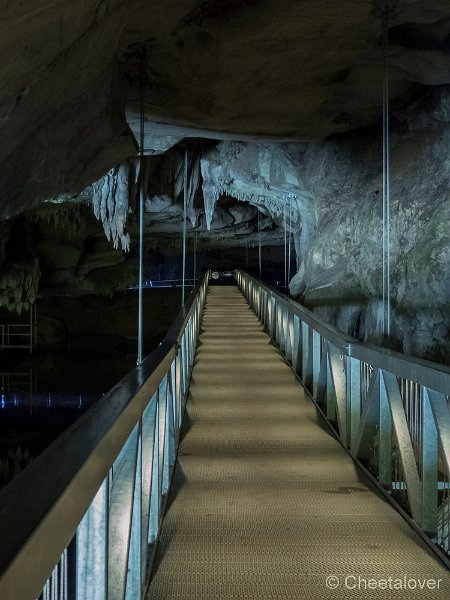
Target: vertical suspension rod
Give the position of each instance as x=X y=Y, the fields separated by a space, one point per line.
x=290 y=240
x=386 y=190
x=141 y=207
x=259 y=244
x=195 y=252
x=184 y=225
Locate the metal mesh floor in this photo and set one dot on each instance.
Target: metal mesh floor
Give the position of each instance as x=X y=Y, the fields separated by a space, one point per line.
x=265 y=503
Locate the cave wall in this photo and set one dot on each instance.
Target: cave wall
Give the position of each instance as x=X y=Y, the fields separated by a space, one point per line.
x=341 y=272
x=60 y=250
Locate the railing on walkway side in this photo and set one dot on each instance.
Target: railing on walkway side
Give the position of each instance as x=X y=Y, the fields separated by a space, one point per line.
x=390 y=411
x=20 y=335
x=93 y=501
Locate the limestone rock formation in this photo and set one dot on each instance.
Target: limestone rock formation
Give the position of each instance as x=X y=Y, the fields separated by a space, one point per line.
x=110 y=197
x=341 y=269
x=19 y=283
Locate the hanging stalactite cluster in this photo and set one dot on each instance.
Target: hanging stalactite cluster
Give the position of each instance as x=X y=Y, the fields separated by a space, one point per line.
x=19 y=274
x=193 y=182
x=68 y=217
x=110 y=201
x=19 y=283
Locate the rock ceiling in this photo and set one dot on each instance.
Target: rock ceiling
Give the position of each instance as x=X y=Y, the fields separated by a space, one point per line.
x=286 y=68
x=242 y=69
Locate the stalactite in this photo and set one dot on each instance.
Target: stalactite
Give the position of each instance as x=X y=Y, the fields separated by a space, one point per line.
x=68 y=217
x=110 y=204
x=178 y=176
x=211 y=189
x=19 y=283
x=193 y=182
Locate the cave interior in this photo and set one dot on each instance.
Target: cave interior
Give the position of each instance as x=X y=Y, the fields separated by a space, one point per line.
x=268 y=116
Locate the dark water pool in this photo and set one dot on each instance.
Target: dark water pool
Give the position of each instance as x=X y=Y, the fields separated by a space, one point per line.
x=41 y=396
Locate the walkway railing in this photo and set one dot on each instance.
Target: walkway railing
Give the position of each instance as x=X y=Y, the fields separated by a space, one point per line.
x=19 y=335
x=391 y=412
x=92 y=503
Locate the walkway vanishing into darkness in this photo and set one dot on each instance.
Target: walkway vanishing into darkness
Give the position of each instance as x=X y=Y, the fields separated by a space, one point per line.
x=265 y=503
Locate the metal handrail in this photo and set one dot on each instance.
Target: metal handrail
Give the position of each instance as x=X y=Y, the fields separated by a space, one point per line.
x=11 y=334
x=390 y=411
x=425 y=372
x=105 y=479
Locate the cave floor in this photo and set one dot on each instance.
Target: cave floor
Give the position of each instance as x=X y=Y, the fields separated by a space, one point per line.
x=265 y=503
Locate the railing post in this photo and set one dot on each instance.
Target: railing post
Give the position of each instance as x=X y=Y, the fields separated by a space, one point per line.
x=316 y=354
x=164 y=434
x=297 y=361
x=384 y=439
x=296 y=346
x=134 y=574
x=429 y=462
x=148 y=475
x=306 y=356
x=353 y=390
x=273 y=318
x=154 y=513
x=330 y=399
x=178 y=386
x=121 y=508
x=285 y=335
x=266 y=310
x=92 y=548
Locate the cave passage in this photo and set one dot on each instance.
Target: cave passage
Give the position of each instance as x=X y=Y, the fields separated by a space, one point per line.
x=158 y=156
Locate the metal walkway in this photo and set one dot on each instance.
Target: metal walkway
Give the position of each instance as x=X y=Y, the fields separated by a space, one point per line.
x=265 y=502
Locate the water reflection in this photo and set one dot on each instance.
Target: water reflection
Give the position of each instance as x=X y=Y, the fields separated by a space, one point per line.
x=32 y=417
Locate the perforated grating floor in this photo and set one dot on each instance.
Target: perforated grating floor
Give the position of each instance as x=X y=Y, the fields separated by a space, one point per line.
x=265 y=503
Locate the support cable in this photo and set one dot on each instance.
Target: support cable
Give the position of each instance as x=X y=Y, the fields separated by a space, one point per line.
x=386 y=270
x=195 y=251
x=285 y=247
x=184 y=225
x=259 y=244
x=141 y=206
x=290 y=243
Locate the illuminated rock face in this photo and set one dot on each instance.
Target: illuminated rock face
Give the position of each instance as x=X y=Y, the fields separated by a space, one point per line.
x=341 y=273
